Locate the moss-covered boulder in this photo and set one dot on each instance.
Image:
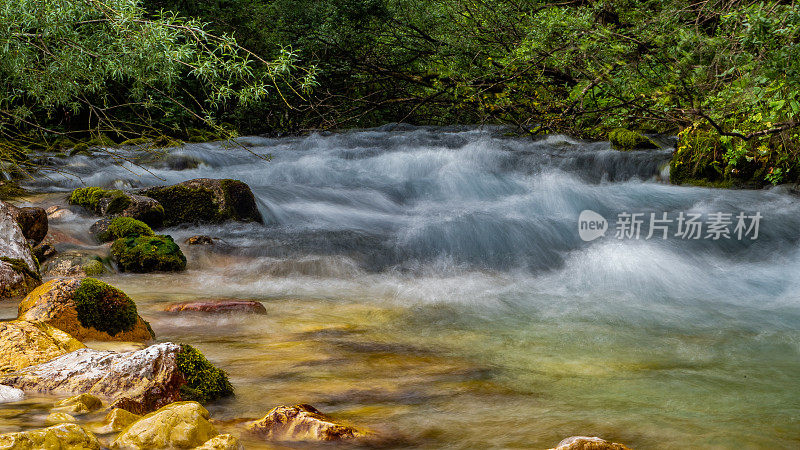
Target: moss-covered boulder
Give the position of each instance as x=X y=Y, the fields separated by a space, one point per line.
x=114 y=202
x=19 y=273
x=622 y=139
x=204 y=382
x=144 y=254
x=67 y=436
x=206 y=200
x=73 y=264
x=120 y=227
x=301 y=423
x=87 y=309
x=24 y=344
x=178 y=425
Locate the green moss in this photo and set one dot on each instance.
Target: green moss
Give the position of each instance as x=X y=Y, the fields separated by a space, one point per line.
x=93 y=267
x=104 y=307
x=90 y=197
x=166 y=141
x=698 y=159
x=101 y=140
x=80 y=149
x=21 y=266
x=148 y=254
x=10 y=190
x=122 y=227
x=622 y=139
x=186 y=204
x=137 y=141
x=204 y=382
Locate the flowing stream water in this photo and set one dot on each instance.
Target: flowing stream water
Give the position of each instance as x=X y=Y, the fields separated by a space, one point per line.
x=431 y=284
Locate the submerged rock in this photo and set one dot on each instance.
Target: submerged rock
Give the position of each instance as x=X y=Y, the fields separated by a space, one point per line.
x=19 y=273
x=222 y=442
x=148 y=254
x=87 y=309
x=206 y=200
x=588 y=443
x=79 y=404
x=219 y=306
x=66 y=436
x=199 y=240
x=301 y=423
x=117 y=420
x=32 y=222
x=59 y=417
x=178 y=425
x=139 y=381
x=24 y=344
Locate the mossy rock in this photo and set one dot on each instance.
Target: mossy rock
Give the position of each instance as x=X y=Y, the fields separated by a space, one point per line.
x=80 y=149
x=101 y=140
x=148 y=254
x=90 y=198
x=10 y=190
x=206 y=200
x=104 y=307
x=204 y=382
x=22 y=267
x=622 y=139
x=122 y=227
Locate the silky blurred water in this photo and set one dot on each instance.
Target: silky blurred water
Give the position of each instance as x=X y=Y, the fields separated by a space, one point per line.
x=430 y=284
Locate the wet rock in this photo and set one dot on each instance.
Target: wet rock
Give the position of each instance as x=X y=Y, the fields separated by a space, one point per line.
x=624 y=140
x=19 y=273
x=67 y=436
x=59 y=417
x=301 y=423
x=87 y=309
x=79 y=404
x=199 y=240
x=43 y=252
x=178 y=425
x=145 y=254
x=9 y=394
x=117 y=420
x=222 y=442
x=107 y=229
x=114 y=202
x=139 y=381
x=145 y=209
x=206 y=200
x=56 y=212
x=24 y=344
x=74 y=264
x=32 y=221
x=588 y=443
x=219 y=306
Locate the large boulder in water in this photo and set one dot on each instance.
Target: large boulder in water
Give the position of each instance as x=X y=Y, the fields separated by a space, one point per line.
x=114 y=202
x=24 y=344
x=67 y=436
x=177 y=425
x=19 y=273
x=32 y=222
x=206 y=200
x=87 y=309
x=301 y=423
x=588 y=443
x=139 y=381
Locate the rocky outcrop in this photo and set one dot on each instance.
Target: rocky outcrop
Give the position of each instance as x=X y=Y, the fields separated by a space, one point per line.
x=19 y=273
x=178 y=425
x=66 y=436
x=205 y=200
x=148 y=254
x=32 y=222
x=588 y=443
x=301 y=423
x=218 y=306
x=222 y=442
x=139 y=381
x=87 y=309
x=24 y=344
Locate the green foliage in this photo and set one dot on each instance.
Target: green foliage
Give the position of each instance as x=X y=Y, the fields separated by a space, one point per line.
x=204 y=382
x=121 y=227
x=148 y=254
x=104 y=307
x=622 y=139
x=90 y=197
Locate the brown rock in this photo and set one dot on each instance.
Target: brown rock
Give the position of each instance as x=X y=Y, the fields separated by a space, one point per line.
x=53 y=303
x=24 y=344
x=199 y=240
x=139 y=381
x=67 y=436
x=206 y=200
x=301 y=423
x=588 y=443
x=219 y=306
x=32 y=221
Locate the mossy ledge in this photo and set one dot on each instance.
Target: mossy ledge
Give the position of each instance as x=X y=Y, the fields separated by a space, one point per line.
x=122 y=227
x=144 y=254
x=204 y=382
x=21 y=266
x=625 y=140
x=104 y=307
x=90 y=197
